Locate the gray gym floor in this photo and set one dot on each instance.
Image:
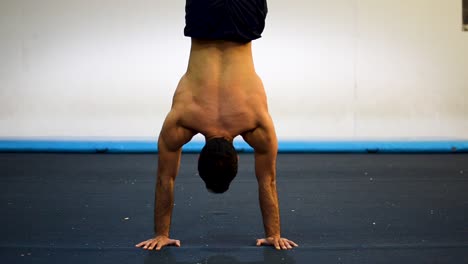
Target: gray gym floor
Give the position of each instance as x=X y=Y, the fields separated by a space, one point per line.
x=340 y=208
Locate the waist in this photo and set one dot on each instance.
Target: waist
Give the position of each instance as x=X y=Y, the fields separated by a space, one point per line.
x=224 y=45
x=220 y=61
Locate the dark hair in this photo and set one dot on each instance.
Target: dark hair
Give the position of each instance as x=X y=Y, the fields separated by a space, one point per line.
x=217 y=165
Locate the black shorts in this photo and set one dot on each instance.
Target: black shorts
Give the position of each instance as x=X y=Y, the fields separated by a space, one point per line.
x=234 y=20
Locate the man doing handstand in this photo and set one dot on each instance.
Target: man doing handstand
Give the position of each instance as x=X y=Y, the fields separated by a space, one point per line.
x=221 y=97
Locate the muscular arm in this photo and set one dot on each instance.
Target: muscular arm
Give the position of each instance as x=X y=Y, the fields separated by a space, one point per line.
x=170 y=143
x=267 y=194
x=168 y=167
x=263 y=141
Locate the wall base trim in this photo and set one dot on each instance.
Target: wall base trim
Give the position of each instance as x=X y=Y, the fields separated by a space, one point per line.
x=148 y=146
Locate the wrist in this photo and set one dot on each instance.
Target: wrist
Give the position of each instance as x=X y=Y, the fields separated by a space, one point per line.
x=162 y=234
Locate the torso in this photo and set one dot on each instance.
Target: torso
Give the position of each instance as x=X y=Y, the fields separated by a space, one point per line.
x=221 y=94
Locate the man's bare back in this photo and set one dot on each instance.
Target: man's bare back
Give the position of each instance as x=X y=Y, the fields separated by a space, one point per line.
x=220 y=95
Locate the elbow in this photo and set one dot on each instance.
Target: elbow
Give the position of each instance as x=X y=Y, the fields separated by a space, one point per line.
x=165 y=183
x=267 y=184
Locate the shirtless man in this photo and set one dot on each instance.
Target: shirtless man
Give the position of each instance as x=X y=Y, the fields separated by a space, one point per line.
x=221 y=97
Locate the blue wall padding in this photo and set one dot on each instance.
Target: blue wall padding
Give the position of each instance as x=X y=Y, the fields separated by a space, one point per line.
x=117 y=146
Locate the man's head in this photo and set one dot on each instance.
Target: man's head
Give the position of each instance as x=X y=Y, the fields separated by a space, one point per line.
x=217 y=164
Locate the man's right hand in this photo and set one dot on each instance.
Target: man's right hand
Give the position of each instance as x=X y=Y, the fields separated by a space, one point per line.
x=158 y=243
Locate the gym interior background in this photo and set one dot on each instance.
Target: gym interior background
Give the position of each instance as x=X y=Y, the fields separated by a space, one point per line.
x=336 y=72
x=333 y=70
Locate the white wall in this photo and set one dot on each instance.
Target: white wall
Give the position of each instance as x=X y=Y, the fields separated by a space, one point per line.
x=344 y=69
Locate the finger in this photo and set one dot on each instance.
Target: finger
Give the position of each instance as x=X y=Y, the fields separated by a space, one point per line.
x=163 y=243
x=286 y=242
x=170 y=242
x=292 y=243
x=262 y=242
x=177 y=243
x=141 y=244
x=276 y=244
x=153 y=244
x=159 y=246
x=147 y=244
x=281 y=243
